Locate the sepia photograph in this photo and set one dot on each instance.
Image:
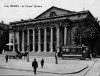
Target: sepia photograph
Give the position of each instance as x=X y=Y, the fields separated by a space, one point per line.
x=50 y=37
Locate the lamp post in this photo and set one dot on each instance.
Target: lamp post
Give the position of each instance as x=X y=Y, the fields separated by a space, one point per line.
x=28 y=53
x=56 y=60
x=81 y=42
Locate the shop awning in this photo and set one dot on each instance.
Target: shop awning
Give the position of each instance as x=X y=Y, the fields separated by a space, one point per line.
x=9 y=44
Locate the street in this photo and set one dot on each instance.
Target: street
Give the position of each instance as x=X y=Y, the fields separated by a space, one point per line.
x=67 y=67
x=94 y=70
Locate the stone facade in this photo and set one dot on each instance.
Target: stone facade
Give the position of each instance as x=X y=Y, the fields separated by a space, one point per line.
x=48 y=31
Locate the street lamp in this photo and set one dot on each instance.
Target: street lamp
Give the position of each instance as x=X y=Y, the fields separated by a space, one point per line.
x=56 y=60
x=81 y=41
x=28 y=53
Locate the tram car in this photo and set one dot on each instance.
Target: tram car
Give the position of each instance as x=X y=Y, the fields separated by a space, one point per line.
x=74 y=51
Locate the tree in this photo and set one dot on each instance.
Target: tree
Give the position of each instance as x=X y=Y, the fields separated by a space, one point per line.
x=87 y=32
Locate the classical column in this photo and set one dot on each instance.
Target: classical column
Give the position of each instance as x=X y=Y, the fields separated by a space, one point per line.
x=51 y=42
x=69 y=36
x=58 y=33
x=28 y=40
x=72 y=36
x=13 y=41
x=33 y=40
x=39 y=40
x=45 y=40
x=65 y=35
x=10 y=38
x=18 y=43
x=23 y=41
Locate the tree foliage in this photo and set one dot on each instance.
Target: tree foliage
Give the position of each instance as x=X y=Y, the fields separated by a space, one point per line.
x=87 y=30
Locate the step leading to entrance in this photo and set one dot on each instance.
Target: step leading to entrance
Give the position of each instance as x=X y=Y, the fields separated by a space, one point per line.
x=44 y=54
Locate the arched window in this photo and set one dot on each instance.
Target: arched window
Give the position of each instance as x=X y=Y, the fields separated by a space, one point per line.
x=52 y=14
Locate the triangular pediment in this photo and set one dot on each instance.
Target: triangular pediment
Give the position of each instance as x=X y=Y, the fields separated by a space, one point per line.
x=54 y=11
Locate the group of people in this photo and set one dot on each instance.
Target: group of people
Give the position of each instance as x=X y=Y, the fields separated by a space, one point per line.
x=86 y=53
x=35 y=64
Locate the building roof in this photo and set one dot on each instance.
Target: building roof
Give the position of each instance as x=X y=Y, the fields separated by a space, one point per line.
x=55 y=9
x=40 y=18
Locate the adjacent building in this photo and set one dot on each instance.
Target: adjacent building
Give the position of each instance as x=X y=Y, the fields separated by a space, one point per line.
x=4 y=36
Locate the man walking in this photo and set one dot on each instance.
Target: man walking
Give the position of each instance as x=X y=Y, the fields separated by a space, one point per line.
x=35 y=65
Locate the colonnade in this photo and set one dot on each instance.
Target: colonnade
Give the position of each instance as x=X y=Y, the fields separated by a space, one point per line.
x=57 y=44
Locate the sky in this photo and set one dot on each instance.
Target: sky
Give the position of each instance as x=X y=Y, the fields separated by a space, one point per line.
x=29 y=9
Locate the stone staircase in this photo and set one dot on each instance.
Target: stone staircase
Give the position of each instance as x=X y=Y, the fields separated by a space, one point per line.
x=43 y=54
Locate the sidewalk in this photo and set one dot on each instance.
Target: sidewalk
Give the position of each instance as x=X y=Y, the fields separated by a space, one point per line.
x=63 y=66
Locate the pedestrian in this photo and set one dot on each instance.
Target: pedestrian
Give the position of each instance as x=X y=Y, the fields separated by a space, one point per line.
x=62 y=54
x=35 y=65
x=6 y=58
x=42 y=63
x=56 y=55
x=84 y=53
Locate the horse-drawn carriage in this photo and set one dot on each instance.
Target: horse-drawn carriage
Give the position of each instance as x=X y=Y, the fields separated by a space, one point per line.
x=12 y=55
x=15 y=55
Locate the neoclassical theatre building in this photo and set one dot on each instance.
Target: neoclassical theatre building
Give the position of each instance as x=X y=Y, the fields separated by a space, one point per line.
x=45 y=33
